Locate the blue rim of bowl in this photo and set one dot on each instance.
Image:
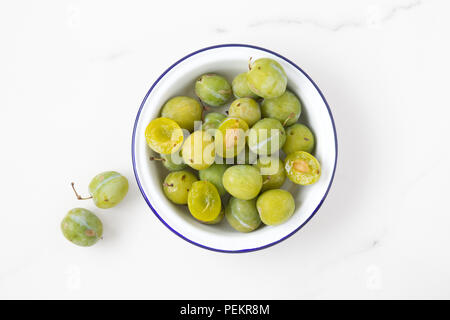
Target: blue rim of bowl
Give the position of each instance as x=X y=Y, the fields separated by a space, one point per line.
x=134 y=158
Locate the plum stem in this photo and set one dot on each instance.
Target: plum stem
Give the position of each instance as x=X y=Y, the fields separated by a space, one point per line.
x=157 y=159
x=291 y=115
x=250 y=63
x=77 y=195
x=205 y=107
x=267 y=180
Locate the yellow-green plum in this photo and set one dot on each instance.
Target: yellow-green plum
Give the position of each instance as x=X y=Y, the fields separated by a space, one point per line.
x=272 y=171
x=242 y=181
x=230 y=137
x=240 y=87
x=82 y=227
x=177 y=185
x=204 y=202
x=164 y=135
x=275 y=206
x=184 y=111
x=242 y=215
x=246 y=109
x=108 y=189
x=298 y=138
x=266 y=136
x=198 y=150
x=302 y=168
x=285 y=108
x=173 y=161
x=213 y=90
x=266 y=78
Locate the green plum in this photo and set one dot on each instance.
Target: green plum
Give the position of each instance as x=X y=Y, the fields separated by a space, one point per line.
x=285 y=108
x=214 y=175
x=172 y=162
x=204 y=202
x=177 y=184
x=164 y=135
x=213 y=90
x=246 y=109
x=107 y=189
x=275 y=206
x=82 y=227
x=198 y=150
x=230 y=137
x=266 y=78
x=266 y=136
x=184 y=111
x=272 y=171
x=242 y=181
x=240 y=87
x=302 y=168
x=298 y=138
x=242 y=215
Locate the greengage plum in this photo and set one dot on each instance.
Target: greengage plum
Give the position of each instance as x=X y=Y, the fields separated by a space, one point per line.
x=213 y=90
x=266 y=136
x=108 y=189
x=172 y=162
x=285 y=108
x=164 y=135
x=177 y=184
x=302 y=168
x=240 y=87
x=242 y=181
x=230 y=137
x=242 y=215
x=275 y=206
x=246 y=109
x=184 y=111
x=272 y=171
x=198 y=150
x=298 y=138
x=266 y=78
x=204 y=202
x=82 y=227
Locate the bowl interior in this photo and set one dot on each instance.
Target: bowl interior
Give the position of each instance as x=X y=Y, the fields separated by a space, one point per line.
x=229 y=61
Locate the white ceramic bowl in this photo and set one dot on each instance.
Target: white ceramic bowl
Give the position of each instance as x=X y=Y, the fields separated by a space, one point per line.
x=230 y=60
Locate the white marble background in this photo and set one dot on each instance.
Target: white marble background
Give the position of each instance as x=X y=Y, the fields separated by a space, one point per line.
x=73 y=73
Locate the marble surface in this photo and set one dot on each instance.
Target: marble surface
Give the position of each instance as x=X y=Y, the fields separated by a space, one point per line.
x=72 y=76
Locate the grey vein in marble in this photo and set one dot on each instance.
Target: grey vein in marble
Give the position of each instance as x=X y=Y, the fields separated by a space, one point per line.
x=220 y=30
x=392 y=13
x=111 y=57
